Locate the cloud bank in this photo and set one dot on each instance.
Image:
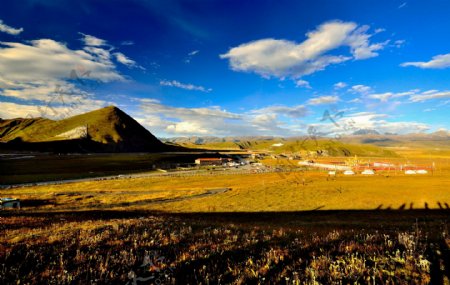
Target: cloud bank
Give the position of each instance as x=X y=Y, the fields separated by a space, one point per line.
x=282 y=58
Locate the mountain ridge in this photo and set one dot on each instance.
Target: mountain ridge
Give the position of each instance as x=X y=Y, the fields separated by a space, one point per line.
x=108 y=129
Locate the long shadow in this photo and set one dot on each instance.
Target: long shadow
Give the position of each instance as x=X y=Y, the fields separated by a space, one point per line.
x=24 y=203
x=394 y=220
x=323 y=218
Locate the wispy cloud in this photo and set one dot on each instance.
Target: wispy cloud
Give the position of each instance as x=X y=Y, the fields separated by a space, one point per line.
x=9 y=30
x=270 y=120
x=361 y=89
x=302 y=83
x=414 y=95
x=369 y=121
x=323 y=100
x=92 y=41
x=282 y=58
x=190 y=55
x=425 y=96
x=127 y=43
x=298 y=111
x=437 y=62
x=188 y=86
x=10 y=110
x=123 y=59
x=340 y=85
x=402 y=5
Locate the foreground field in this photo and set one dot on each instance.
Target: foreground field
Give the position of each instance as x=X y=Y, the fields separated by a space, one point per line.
x=296 y=226
x=120 y=247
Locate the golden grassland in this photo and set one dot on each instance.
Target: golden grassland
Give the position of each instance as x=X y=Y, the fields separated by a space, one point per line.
x=98 y=231
x=291 y=191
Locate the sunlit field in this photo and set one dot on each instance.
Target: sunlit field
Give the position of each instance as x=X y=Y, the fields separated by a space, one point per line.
x=293 y=225
x=296 y=190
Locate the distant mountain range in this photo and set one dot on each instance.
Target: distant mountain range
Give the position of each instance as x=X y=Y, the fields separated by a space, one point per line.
x=111 y=130
x=366 y=132
x=360 y=136
x=105 y=130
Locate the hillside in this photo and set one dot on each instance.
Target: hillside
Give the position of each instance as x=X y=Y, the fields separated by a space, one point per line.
x=287 y=146
x=108 y=129
x=363 y=143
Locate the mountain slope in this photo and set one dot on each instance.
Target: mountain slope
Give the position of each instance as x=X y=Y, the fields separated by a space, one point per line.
x=106 y=129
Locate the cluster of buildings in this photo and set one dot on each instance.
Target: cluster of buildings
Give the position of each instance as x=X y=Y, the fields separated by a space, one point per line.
x=351 y=168
x=219 y=162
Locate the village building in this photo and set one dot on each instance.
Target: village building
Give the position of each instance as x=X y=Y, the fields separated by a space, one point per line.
x=211 y=161
x=368 y=172
x=9 y=203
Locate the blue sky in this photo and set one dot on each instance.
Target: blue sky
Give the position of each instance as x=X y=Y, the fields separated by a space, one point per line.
x=231 y=68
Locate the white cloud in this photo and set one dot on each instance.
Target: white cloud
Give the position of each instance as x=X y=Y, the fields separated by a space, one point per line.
x=399 y=43
x=187 y=86
x=50 y=74
x=9 y=30
x=92 y=41
x=360 y=46
x=9 y=110
x=41 y=72
x=190 y=56
x=340 y=85
x=356 y=100
x=384 y=97
x=282 y=58
x=302 y=83
x=172 y=121
x=127 y=43
x=361 y=89
x=169 y=120
x=120 y=57
x=298 y=111
x=402 y=5
x=413 y=95
x=60 y=92
x=192 y=53
x=46 y=59
x=368 y=120
x=438 y=62
x=186 y=128
x=323 y=100
x=429 y=96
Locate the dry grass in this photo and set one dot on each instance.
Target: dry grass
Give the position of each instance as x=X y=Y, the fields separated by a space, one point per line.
x=295 y=191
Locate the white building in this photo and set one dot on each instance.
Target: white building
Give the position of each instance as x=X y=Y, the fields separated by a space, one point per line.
x=11 y=203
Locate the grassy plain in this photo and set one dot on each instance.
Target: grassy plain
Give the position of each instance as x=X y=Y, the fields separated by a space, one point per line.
x=284 y=191
x=48 y=167
x=265 y=228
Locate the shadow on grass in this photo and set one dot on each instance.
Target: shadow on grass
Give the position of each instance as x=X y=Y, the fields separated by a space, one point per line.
x=321 y=218
x=25 y=203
